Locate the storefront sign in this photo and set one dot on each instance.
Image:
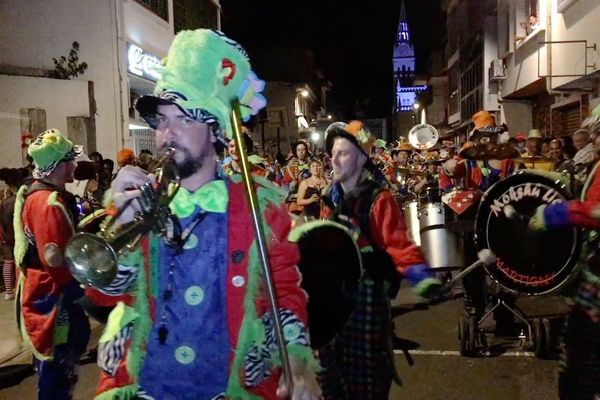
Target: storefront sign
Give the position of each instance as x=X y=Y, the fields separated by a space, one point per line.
x=141 y=63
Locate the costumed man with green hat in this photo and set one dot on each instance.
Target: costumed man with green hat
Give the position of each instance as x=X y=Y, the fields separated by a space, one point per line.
x=45 y=216
x=191 y=317
x=359 y=362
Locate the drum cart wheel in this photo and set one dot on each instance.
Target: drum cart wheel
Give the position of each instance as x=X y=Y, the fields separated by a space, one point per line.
x=542 y=341
x=467 y=328
x=538 y=340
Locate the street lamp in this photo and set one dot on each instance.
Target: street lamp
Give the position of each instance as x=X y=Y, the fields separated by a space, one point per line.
x=315 y=136
x=416 y=106
x=304 y=93
x=329 y=116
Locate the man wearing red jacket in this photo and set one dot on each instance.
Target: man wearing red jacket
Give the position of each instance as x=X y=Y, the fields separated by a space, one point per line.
x=191 y=319
x=579 y=377
x=44 y=219
x=358 y=363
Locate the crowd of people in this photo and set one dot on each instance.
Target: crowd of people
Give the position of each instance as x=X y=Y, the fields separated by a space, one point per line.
x=190 y=315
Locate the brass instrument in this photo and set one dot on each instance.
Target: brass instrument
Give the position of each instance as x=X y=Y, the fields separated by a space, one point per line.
x=423 y=136
x=92 y=257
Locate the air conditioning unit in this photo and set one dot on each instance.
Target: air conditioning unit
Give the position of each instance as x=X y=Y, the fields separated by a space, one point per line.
x=497 y=70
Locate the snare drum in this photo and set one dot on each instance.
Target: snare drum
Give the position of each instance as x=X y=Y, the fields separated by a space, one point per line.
x=441 y=247
x=528 y=263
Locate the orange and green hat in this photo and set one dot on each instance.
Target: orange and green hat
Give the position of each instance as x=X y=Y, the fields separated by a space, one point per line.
x=49 y=149
x=354 y=131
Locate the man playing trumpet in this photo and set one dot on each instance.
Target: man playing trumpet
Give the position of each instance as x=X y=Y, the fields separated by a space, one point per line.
x=193 y=323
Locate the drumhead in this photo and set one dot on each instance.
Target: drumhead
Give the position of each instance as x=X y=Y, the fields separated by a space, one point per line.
x=528 y=262
x=330 y=264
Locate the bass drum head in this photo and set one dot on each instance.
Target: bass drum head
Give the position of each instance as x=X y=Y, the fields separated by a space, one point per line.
x=528 y=262
x=331 y=269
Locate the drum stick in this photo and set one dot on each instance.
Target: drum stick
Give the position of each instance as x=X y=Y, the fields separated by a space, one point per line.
x=486 y=257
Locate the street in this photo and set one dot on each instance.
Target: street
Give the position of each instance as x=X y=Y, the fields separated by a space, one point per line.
x=439 y=372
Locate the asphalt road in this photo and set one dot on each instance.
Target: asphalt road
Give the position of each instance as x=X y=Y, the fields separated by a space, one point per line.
x=439 y=372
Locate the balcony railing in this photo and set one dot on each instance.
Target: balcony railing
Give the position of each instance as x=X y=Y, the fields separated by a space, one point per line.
x=158 y=7
x=194 y=14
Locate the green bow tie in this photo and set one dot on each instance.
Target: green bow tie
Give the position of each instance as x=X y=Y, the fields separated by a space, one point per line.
x=212 y=197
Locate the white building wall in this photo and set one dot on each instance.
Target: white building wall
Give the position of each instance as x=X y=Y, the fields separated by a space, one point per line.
x=35 y=31
x=522 y=59
x=578 y=22
x=27 y=92
x=490 y=53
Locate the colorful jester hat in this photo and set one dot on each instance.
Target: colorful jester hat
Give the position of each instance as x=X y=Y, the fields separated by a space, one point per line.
x=203 y=72
x=49 y=149
x=354 y=131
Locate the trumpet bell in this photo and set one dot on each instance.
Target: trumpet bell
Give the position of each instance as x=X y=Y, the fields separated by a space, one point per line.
x=91 y=260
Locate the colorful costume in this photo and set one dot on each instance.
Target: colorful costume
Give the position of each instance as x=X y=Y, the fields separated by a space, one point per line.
x=191 y=319
x=50 y=320
x=166 y=338
x=358 y=362
x=580 y=359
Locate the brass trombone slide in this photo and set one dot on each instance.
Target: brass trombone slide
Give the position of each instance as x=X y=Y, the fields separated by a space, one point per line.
x=261 y=242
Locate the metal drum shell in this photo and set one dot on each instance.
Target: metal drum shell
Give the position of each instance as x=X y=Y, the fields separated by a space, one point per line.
x=410 y=210
x=441 y=247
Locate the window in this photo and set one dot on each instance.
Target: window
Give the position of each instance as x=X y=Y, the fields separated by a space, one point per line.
x=531 y=17
x=194 y=14
x=158 y=7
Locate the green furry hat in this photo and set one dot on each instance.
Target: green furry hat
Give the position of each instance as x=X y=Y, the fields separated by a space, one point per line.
x=49 y=149
x=203 y=72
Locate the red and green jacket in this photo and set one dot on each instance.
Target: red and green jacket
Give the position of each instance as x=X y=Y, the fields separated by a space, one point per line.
x=134 y=314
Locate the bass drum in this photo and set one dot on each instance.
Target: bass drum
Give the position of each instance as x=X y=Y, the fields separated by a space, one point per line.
x=528 y=262
x=331 y=268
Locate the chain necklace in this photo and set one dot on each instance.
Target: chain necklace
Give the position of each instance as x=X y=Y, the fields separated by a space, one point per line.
x=176 y=244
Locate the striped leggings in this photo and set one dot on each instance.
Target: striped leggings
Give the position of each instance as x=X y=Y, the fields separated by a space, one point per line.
x=8 y=274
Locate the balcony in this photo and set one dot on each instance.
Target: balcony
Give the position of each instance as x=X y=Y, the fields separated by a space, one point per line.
x=158 y=7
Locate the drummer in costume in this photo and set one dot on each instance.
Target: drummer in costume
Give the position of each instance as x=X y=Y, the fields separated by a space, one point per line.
x=481 y=175
x=579 y=377
x=191 y=319
x=50 y=320
x=449 y=153
x=358 y=362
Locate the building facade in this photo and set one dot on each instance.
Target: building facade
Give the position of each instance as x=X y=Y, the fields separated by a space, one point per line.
x=119 y=40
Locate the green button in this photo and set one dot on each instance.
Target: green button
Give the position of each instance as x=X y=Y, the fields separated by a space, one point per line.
x=194 y=295
x=191 y=242
x=185 y=355
x=291 y=332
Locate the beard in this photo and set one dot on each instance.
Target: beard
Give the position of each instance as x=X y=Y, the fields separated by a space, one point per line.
x=188 y=165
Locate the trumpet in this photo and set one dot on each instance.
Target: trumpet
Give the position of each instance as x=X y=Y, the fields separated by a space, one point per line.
x=92 y=257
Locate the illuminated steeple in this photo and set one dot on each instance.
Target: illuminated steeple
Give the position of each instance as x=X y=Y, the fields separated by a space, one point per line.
x=404 y=66
x=403 y=35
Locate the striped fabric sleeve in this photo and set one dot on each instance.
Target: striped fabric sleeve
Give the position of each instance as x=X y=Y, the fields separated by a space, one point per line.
x=126 y=276
x=258 y=362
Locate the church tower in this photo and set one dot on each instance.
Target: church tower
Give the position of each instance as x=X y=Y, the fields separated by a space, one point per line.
x=404 y=76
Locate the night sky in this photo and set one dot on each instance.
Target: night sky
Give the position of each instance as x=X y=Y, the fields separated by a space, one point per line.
x=352 y=41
